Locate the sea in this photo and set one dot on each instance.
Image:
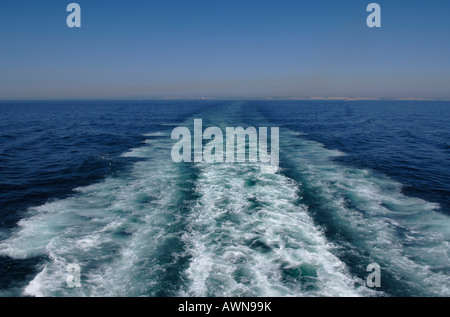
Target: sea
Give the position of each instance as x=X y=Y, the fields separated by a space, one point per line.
x=93 y=184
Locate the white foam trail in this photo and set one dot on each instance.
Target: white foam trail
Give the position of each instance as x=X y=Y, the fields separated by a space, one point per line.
x=405 y=235
x=249 y=236
x=140 y=152
x=146 y=152
x=156 y=134
x=114 y=230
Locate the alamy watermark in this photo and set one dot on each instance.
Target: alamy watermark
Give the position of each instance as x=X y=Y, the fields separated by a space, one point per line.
x=74 y=277
x=374 y=278
x=74 y=18
x=237 y=148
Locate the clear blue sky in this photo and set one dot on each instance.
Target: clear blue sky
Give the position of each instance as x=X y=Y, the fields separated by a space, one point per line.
x=224 y=48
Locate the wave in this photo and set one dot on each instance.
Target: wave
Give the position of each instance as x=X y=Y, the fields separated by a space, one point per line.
x=120 y=231
x=250 y=236
x=374 y=221
x=166 y=229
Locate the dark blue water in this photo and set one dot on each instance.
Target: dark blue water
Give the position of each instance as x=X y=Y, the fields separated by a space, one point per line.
x=409 y=141
x=93 y=183
x=49 y=148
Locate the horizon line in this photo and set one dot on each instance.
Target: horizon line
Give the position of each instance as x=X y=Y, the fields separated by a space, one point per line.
x=273 y=98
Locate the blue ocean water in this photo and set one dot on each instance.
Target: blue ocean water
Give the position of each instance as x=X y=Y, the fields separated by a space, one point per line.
x=93 y=183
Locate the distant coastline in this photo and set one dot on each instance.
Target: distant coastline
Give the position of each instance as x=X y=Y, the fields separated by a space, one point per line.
x=181 y=98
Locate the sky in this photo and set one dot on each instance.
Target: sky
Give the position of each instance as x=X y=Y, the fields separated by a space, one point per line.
x=224 y=48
